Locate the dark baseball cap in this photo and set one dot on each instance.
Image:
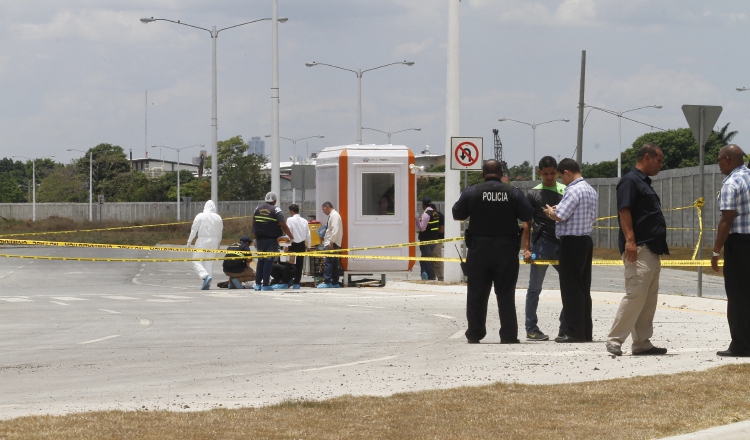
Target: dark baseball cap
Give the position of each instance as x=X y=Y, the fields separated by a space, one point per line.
x=245 y=238
x=426 y=200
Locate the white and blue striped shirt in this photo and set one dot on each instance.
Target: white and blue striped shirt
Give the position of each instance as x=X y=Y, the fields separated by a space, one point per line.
x=577 y=209
x=735 y=196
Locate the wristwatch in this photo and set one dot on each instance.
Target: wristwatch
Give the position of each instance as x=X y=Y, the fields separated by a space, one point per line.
x=715 y=254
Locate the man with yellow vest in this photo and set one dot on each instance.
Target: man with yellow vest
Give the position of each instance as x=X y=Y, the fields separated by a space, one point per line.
x=428 y=225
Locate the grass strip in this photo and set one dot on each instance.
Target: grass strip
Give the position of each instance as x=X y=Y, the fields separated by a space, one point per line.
x=632 y=408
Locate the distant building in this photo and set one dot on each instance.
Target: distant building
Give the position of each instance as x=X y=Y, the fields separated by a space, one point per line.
x=156 y=167
x=257 y=146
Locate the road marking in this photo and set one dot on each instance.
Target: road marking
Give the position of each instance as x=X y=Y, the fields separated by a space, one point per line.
x=443 y=316
x=289 y=299
x=368 y=307
x=458 y=334
x=59 y=303
x=225 y=295
x=120 y=297
x=114 y=312
x=552 y=353
x=167 y=300
x=99 y=340
x=351 y=363
x=145 y=321
x=16 y=300
x=69 y=298
x=174 y=296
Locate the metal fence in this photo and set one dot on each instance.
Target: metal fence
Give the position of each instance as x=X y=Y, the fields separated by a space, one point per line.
x=676 y=188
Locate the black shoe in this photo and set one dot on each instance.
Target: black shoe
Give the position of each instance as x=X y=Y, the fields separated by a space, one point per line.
x=536 y=335
x=473 y=341
x=510 y=341
x=651 y=351
x=731 y=353
x=568 y=339
x=613 y=349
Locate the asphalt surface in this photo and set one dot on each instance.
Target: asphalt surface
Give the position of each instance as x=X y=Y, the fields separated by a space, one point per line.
x=80 y=336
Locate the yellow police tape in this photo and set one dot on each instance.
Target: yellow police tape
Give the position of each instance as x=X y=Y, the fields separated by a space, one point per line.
x=664 y=263
x=116 y=228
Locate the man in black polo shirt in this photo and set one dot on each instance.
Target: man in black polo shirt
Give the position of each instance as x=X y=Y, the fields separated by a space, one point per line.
x=642 y=240
x=268 y=225
x=493 y=209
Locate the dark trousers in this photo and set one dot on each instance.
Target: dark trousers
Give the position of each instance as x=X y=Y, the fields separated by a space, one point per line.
x=736 y=266
x=427 y=250
x=263 y=272
x=576 y=253
x=331 y=268
x=282 y=273
x=299 y=260
x=492 y=261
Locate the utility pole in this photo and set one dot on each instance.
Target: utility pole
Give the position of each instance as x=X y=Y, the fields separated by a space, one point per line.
x=581 y=104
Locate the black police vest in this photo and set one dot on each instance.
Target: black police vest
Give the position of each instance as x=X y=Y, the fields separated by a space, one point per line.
x=266 y=225
x=431 y=231
x=493 y=211
x=235 y=266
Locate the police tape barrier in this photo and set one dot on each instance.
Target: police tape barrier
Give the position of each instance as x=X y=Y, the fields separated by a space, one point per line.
x=116 y=228
x=664 y=263
x=391 y=246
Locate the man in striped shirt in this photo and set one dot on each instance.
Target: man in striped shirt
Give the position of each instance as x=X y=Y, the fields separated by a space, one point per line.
x=575 y=216
x=733 y=234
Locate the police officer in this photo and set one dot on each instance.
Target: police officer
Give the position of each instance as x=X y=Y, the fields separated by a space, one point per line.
x=428 y=226
x=268 y=225
x=493 y=238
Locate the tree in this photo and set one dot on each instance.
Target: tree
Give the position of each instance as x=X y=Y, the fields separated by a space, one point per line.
x=679 y=147
x=607 y=168
x=64 y=185
x=111 y=167
x=520 y=172
x=240 y=176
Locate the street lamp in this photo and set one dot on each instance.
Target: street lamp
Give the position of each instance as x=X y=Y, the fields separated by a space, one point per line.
x=178 y=170
x=214 y=124
x=91 y=180
x=389 y=133
x=742 y=89
x=294 y=143
x=33 y=185
x=619 y=128
x=533 y=140
x=359 y=73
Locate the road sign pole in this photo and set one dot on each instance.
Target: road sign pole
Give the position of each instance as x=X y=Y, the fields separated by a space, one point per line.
x=701 y=155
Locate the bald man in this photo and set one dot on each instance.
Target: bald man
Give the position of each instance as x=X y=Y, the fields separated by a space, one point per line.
x=733 y=233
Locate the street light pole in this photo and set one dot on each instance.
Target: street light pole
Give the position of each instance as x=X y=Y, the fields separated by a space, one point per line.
x=33 y=185
x=178 y=171
x=91 y=181
x=389 y=133
x=214 y=118
x=619 y=129
x=359 y=73
x=533 y=140
x=294 y=143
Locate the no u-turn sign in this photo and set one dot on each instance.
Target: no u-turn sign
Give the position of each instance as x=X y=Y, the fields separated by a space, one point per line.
x=466 y=153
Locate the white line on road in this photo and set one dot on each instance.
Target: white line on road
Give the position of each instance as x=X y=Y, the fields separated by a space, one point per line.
x=443 y=316
x=174 y=296
x=350 y=364
x=458 y=334
x=289 y=299
x=99 y=340
x=368 y=307
x=121 y=297
x=69 y=298
x=59 y=303
x=114 y=312
x=16 y=300
x=145 y=321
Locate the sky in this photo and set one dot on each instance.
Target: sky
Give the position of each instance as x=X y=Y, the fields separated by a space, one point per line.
x=75 y=73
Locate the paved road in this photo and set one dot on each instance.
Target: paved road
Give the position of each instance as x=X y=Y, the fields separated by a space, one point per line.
x=80 y=336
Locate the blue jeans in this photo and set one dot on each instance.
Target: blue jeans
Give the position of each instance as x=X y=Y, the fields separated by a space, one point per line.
x=263 y=274
x=331 y=268
x=427 y=250
x=544 y=249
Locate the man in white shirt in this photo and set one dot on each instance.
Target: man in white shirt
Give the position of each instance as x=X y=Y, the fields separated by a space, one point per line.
x=332 y=240
x=302 y=238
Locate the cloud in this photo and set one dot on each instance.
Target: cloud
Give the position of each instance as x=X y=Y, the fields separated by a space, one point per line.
x=567 y=13
x=413 y=48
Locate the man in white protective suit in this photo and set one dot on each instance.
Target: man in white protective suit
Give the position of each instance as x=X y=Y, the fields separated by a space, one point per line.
x=207 y=226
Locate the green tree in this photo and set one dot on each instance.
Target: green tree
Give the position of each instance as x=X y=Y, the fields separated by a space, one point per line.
x=111 y=169
x=14 y=185
x=607 y=168
x=64 y=185
x=520 y=172
x=240 y=176
x=679 y=147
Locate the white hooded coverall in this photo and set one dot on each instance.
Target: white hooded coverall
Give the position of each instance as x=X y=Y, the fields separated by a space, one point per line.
x=207 y=226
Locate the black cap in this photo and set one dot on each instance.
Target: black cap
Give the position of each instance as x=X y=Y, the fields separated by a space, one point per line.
x=245 y=238
x=426 y=201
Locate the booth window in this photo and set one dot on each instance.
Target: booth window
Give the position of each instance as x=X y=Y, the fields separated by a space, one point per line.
x=378 y=193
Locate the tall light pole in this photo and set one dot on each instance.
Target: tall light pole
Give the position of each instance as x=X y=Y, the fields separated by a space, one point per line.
x=33 y=185
x=359 y=73
x=178 y=170
x=214 y=119
x=91 y=181
x=533 y=140
x=389 y=133
x=294 y=143
x=619 y=129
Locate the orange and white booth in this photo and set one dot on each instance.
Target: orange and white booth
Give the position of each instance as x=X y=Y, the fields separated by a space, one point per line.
x=371 y=188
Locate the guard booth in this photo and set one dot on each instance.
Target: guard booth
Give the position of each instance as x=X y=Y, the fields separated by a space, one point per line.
x=371 y=188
